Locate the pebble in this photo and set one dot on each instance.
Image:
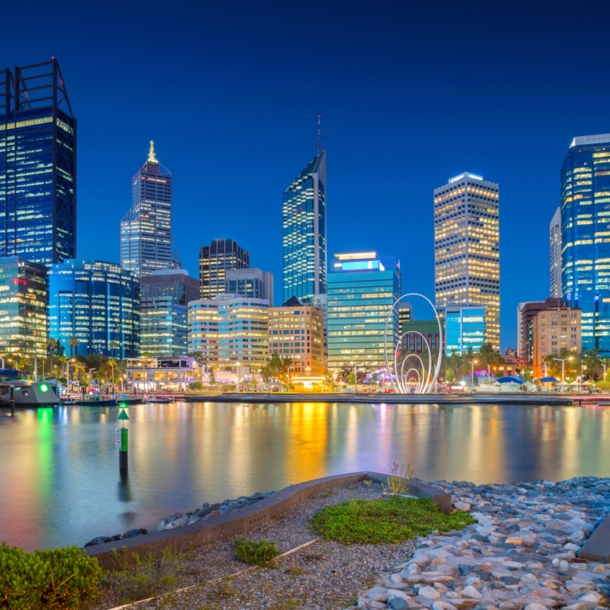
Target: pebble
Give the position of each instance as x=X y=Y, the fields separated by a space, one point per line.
x=521 y=555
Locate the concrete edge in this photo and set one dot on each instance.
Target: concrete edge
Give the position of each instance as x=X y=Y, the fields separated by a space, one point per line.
x=597 y=545
x=241 y=521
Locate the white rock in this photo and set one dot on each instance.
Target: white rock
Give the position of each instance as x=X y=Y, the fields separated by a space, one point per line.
x=530 y=579
x=396 y=578
x=564 y=566
x=535 y=606
x=392 y=593
x=571 y=547
x=437 y=562
x=461 y=506
x=377 y=594
x=443 y=606
x=592 y=597
x=470 y=591
x=429 y=592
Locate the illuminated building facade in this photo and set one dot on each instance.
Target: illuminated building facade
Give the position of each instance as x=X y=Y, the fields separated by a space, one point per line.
x=413 y=343
x=214 y=261
x=304 y=233
x=98 y=303
x=23 y=307
x=555 y=255
x=296 y=331
x=38 y=161
x=252 y=283
x=362 y=289
x=146 y=230
x=164 y=298
x=551 y=330
x=585 y=223
x=467 y=248
x=465 y=329
x=230 y=331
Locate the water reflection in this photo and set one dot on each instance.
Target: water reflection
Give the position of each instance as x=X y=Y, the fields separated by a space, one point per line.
x=61 y=483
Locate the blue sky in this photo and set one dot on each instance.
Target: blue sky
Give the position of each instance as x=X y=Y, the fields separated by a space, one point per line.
x=410 y=95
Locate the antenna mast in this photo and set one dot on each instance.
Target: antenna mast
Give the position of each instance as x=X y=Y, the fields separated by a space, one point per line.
x=319 y=135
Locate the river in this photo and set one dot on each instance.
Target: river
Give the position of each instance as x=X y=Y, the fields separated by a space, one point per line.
x=60 y=482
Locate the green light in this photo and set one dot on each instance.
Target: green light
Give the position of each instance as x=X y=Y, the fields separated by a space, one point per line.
x=43 y=387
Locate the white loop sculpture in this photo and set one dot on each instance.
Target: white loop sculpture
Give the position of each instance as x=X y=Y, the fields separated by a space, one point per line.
x=426 y=381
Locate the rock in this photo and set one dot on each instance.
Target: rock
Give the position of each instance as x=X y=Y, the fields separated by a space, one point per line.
x=98 y=540
x=443 y=606
x=464 y=570
x=378 y=594
x=462 y=506
x=470 y=591
x=429 y=592
x=530 y=579
x=599 y=569
x=535 y=606
x=591 y=597
x=564 y=566
x=516 y=541
x=206 y=509
x=396 y=578
x=135 y=532
x=397 y=603
x=576 y=607
x=117 y=537
x=437 y=562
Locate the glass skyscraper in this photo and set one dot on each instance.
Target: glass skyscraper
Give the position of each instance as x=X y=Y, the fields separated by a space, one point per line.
x=304 y=233
x=164 y=298
x=97 y=303
x=362 y=289
x=214 y=262
x=585 y=224
x=37 y=165
x=464 y=329
x=146 y=230
x=252 y=283
x=467 y=248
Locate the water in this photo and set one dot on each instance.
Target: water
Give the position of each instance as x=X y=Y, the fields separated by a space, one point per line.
x=60 y=482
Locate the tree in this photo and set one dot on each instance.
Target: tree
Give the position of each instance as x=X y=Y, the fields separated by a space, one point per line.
x=277 y=368
x=73 y=343
x=571 y=366
x=114 y=345
x=199 y=358
x=111 y=362
x=591 y=364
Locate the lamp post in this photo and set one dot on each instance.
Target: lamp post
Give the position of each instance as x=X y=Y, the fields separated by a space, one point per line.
x=563 y=363
x=472 y=363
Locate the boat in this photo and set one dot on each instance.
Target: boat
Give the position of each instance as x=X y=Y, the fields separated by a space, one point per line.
x=29 y=393
x=89 y=400
x=158 y=399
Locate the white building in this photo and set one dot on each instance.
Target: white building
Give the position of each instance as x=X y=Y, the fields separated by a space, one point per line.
x=555 y=254
x=162 y=374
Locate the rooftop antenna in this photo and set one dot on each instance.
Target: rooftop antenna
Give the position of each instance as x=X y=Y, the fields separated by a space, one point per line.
x=319 y=135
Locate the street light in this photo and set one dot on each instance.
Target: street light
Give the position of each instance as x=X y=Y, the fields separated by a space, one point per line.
x=472 y=363
x=563 y=363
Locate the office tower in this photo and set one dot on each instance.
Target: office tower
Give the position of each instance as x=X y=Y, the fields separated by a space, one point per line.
x=38 y=165
x=214 y=262
x=467 y=248
x=362 y=289
x=555 y=254
x=164 y=298
x=296 y=331
x=96 y=303
x=405 y=314
x=146 y=230
x=23 y=300
x=550 y=331
x=230 y=331
x=585 y=224
x=252 y=283
x=413 y=343
x=465 y=329
x=304 y=232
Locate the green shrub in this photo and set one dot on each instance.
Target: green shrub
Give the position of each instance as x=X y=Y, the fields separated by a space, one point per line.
x=260 y=553
x=53 y=579
x=389 y=521
x=196 y=385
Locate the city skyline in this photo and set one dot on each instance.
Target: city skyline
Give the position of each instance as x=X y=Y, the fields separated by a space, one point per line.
x=386 y=124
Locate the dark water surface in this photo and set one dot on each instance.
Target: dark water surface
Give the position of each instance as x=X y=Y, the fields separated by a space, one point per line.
x=60 y=482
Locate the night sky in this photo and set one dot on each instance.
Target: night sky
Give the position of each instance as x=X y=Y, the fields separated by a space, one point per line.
x=410 y=95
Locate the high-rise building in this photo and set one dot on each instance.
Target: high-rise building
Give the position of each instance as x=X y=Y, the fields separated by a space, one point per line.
x=304 y=232
x=230 y=331
x=552 y=330
x=24 y=300
x=96 y=303
x=467 y=248
x=465 y=329
x=585 y=224
x=252 y=283
x=164 y=298
x=296 y=331
x=362 y=288
x=38 y=161
x=146 y=230
x=415 y=335
x=214 y=262
x=555 y=254
x=405 y=314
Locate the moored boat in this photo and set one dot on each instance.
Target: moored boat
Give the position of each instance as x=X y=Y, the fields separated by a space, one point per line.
x=29 y=393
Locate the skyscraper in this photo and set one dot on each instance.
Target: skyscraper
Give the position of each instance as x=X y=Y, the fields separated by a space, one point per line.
x=146 y=230
x=555 y=254
x=250 y=283
x=585 y=225
x=214 y=262
x=304 y=232
x=164 y=297
x=467 y=248
x=38 y=161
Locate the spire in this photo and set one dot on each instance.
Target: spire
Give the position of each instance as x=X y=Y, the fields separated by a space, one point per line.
x=319 y=135
x=151 y=153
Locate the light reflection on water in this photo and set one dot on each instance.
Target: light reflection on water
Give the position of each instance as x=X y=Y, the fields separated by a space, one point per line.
x=60 y=482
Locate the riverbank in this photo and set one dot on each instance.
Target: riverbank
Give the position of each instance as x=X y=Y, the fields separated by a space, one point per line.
x=522 y=553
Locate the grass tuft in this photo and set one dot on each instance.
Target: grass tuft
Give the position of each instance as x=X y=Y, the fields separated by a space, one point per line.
x=261 y=553
x=385 y=521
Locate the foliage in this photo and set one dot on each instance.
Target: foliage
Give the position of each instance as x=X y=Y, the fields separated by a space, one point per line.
x=53 y=579
x=572 y=364
x=199 y=358
x=196 y=385
x=400 y=478
x=276 y=368
x=384 y=521
x=260 y=553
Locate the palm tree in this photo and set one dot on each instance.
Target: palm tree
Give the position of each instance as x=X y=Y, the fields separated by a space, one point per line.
x=112 y=362
x=73 y=343
x=114 y=345
x=50 y=343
